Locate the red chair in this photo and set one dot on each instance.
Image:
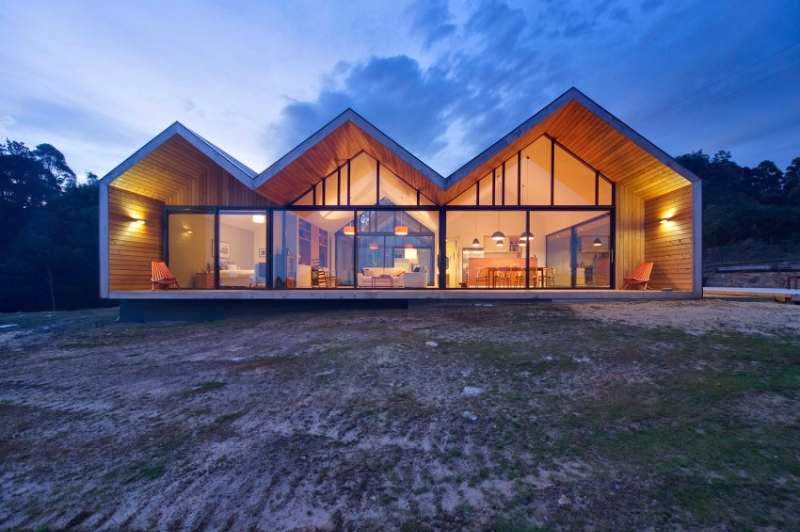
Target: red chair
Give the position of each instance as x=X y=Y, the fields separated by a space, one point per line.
x=161 y=276
x=639 y=278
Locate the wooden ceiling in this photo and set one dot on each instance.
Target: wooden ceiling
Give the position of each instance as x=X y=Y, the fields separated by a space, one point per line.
x=325 y=156
x=598 y=143
x=176 y=173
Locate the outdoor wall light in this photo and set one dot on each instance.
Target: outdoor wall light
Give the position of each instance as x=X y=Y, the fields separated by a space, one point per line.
x=666 y=222
x=138 y=222
x=349 y=230
x=259 y=219
x=401 y=230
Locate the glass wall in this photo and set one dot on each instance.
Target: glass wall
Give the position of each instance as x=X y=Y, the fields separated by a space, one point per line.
x=397 y=249
x=242 y=249
x=484 y=249
x=570 y=249
x=312 y=249
x=191 y=249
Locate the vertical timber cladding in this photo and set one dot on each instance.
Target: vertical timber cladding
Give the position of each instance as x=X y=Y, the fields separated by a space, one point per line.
x=134 y=238
x=668 y=240
x=630 y=222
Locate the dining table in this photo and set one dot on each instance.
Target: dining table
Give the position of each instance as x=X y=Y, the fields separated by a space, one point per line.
x=495 y=270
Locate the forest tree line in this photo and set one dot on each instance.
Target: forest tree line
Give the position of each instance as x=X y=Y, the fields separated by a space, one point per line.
x=49 y=233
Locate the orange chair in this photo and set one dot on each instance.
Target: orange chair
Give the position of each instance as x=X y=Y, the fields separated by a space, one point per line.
x=639 y=278
x=161 y=276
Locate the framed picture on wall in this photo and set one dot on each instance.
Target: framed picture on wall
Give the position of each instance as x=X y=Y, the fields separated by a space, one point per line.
x=224 y=249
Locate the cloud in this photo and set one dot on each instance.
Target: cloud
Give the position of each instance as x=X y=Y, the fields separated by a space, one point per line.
x=432 y=21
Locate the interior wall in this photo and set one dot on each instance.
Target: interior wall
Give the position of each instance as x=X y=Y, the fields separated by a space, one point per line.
x=132 y=245
x=630 y=218
x=669 y=245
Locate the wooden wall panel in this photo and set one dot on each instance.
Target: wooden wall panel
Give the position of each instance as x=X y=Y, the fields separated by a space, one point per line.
x=630 y=220
x=670 y=245
x=132 y=246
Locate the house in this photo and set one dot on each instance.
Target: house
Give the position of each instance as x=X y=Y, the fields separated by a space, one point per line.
x=569 y=203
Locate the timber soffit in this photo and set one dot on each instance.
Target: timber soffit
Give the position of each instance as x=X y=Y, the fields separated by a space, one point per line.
x=254 y=180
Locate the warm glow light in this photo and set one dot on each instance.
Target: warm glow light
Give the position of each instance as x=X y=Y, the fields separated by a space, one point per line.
x=259 y=219
x=138 y=222
x=401 y=230
x=410 y=253
x=498 y=236
x=349 y=230
x=373 y=246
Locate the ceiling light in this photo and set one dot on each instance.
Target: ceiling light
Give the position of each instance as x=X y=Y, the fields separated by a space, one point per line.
x=498 y=236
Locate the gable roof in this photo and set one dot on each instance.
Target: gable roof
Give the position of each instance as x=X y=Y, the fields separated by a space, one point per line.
x=573 y=119
x=571 y=95
x=226 y=161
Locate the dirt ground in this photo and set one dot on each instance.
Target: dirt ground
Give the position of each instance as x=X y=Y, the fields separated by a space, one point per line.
x=481 y=417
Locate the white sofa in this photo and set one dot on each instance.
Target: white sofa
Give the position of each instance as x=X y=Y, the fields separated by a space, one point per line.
x=381 y=278
x=391 y=278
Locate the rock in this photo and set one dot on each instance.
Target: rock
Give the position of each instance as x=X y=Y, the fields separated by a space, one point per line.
x=564 y=501
x=471 y=391
x=431 y=343
x=469 y=415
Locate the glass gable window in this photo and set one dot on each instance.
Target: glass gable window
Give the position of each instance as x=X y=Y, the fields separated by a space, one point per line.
x=574 y=181
x=535 y=178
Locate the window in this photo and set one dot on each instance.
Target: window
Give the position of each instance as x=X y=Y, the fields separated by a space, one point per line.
x=574 y=181
x=191 y=249
x=536 y=173
x=313 y=249
x=242 y=249
x=570 y=249
x=397 y=249
x=484 y=249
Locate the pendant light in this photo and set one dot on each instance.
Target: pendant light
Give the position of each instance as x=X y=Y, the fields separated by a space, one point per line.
x=476 y=243
x=373 y=246
x=349 y=230
x=597 y=242
x=526 y=235
x=401 y=230
x=498 y=236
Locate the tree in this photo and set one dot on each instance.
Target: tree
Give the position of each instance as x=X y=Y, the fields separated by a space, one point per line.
x=767 y=182
x=791 y=180
x=56 y=164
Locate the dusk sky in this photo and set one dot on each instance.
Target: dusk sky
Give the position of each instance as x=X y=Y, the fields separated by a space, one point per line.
x=99 y=79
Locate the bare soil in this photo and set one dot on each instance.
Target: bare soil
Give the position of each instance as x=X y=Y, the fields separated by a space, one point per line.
x=609 y=416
